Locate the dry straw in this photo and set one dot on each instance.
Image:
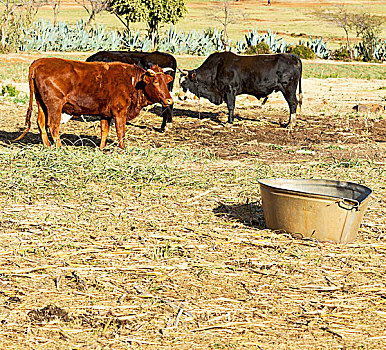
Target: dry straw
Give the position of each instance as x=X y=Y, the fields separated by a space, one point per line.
x=161 y=247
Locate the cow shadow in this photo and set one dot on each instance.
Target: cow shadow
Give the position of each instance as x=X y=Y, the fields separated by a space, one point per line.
x=96 y=118
x=6 y=138
x=249 y=214
x=188 y=113
x=213 y=116
x=87 y=118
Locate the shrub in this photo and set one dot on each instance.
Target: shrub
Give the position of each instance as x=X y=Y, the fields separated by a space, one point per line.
x=260 y=48
x=371 y=49
x=14 y=18
x=380 y=51
x=341 y=54
x=4 y=49
x=10 y=93
x=302 y=51
x=9 y=90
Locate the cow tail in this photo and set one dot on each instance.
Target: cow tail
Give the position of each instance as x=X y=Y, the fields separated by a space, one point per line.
x=300 y=89
x=31 y=77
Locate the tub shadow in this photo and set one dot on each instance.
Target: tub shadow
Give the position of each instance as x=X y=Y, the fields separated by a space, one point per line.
x=249 y=214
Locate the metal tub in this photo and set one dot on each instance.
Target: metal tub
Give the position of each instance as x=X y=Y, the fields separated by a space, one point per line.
x=327 y=210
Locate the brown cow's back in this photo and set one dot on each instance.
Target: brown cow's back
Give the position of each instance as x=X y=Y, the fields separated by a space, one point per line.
x=85 y=88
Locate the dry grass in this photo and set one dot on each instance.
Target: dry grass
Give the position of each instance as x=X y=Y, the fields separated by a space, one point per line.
x=165 y=248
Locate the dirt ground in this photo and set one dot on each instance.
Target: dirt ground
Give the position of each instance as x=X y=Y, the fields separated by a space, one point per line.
x=326 y=119
x=195 y=268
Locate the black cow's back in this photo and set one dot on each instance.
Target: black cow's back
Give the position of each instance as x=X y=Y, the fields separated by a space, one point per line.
x=110 y=56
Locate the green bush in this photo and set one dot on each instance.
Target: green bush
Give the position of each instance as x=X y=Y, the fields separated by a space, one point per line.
x=341 y=54
x=9 y=90
x=302 y=51
x=4 y=49
x=10 y=93
x=16 y=16
x=259 y=49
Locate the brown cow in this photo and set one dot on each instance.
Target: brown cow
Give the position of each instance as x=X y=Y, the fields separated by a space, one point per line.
x=112 y=90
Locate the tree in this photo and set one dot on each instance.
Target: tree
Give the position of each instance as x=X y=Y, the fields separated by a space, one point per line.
x=93 y=7
x=16 y=15
x=55 y=4
x=361 y=23
x=153 y=12
x=368 y=27
x=340 y=16
x=127 y=11
x=227 y=15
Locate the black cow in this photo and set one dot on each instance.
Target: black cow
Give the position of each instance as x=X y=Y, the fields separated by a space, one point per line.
x=224 y=75
x=145 y=60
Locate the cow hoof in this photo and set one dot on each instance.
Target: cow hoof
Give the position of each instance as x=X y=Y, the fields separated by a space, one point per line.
x=284 y=125
x=291 y=122
x=288 y=125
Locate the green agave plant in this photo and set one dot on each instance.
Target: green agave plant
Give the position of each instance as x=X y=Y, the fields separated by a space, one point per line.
x=319 y=47
x=44 y=36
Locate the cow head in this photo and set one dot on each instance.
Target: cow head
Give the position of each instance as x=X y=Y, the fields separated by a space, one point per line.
x=155 y=86
x=200 y=86
x=188 y=81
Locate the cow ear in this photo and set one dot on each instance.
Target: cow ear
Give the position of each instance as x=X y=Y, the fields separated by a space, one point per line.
x=194 y=74
x=168 y=78
x=146 y=79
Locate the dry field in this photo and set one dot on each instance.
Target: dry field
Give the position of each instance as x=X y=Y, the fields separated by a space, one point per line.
x=290 y=19
x=164 y=246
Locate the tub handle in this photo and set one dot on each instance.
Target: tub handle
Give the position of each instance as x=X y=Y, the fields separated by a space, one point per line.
x=346 y=203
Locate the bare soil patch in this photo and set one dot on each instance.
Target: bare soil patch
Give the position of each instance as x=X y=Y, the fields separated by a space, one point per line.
x=326 y=120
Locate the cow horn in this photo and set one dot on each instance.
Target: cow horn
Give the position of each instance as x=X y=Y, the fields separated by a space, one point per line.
x=183 y=72
x=151 y=72
x=167 y=69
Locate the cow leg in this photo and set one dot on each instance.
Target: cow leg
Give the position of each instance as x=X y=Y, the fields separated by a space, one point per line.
x=105 y=127
x=120 y=122
x=54 y=129
x=54 y=116
x=230 y=99
x=42 y=125
x=167 y=115
x=169 y=109
x=292 y=101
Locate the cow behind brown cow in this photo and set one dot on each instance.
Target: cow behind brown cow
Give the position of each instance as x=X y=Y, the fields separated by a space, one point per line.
x=111 y=90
